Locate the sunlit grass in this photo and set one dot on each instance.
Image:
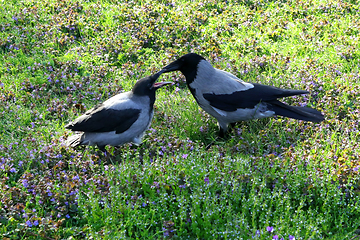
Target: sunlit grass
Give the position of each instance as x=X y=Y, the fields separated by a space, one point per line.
x=270 y=179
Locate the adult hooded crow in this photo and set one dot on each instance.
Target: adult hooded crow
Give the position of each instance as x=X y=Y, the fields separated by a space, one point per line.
x=229 y=99
x=121 y=119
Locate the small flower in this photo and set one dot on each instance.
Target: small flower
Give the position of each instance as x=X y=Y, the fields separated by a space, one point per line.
x=206 y=180
x=185 y=156
x=276 y=237
x=25 y=183
x=291 y=237
x=36 y=222
x=269 y=229
x=28 y=223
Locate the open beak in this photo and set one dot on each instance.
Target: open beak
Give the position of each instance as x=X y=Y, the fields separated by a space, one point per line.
x=158 y=85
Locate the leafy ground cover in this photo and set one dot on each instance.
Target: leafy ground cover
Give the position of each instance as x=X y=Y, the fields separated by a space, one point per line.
x=272 y=179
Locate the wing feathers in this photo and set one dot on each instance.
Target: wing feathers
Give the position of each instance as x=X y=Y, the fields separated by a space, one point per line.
x=248 y=98
x=101 y=119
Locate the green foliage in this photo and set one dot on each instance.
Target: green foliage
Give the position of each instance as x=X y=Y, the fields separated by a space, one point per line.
x=273 y=177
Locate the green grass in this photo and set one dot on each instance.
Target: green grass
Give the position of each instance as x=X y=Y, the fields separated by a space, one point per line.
x=272 y=177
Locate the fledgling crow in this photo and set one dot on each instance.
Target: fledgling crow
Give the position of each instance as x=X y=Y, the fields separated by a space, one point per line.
x=229 y=99
x=121 y=119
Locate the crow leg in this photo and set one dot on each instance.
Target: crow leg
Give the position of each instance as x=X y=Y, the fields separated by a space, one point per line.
x=102 y=148
x=222 y=133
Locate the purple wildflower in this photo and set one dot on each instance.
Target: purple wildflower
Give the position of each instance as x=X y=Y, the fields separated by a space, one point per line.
x=338 y=73
x=269 y=229
x=166 y=233
x=291 y=237
x=28 y=223
x=25 y=183
x=206 y=180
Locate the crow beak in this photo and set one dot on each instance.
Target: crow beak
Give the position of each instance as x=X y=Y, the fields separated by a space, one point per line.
x=157 y=85
x=171 y=67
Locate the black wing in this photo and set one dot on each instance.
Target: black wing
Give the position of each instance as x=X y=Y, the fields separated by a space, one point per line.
x=100 y=119
x=249 y=98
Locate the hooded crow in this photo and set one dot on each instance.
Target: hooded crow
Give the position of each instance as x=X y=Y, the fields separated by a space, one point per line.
x=121 y=119
x=229 y=99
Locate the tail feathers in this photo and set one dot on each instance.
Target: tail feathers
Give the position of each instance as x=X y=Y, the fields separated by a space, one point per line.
x=296 y=112
x=74 y=140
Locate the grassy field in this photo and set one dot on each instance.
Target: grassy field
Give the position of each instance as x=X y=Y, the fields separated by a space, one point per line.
x=272 y=179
